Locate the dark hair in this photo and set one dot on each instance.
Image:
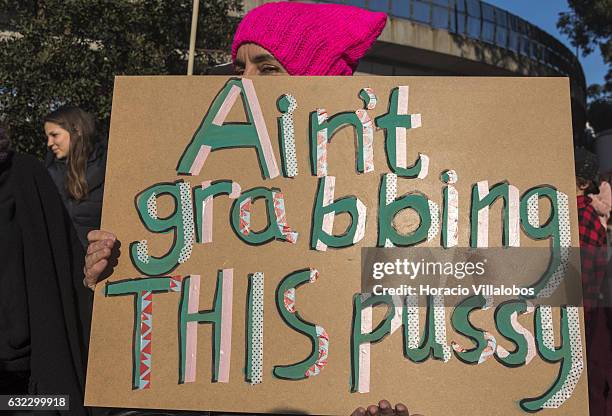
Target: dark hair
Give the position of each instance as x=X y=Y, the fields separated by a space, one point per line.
x=587 y=186
x=82 y=128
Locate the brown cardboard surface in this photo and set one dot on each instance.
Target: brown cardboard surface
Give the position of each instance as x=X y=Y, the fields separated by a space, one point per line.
x=514 y=129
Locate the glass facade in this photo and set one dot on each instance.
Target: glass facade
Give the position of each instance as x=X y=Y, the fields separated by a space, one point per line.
x=475 y=19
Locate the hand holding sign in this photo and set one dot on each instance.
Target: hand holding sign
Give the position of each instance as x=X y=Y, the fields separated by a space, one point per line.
x=99 y=251
x=383 y=409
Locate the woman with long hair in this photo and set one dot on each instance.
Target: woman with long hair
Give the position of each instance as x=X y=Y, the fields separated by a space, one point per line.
x=76 y=161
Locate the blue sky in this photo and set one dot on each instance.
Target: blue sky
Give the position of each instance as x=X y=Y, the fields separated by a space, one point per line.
x=544 y=13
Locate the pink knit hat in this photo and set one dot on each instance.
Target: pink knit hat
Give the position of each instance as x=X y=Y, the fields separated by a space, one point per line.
x=311 y=39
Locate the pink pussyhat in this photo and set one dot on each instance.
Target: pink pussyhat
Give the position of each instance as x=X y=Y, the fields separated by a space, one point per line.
x=311 y=39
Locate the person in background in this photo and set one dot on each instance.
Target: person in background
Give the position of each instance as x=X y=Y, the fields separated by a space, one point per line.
x=76 y=161
x=286 y=38
x=602 y=202
x=45 y=311
x=591 y=230
x=593 y=260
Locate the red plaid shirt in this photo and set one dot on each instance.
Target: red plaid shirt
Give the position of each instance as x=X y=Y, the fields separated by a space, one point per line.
x=592 y=251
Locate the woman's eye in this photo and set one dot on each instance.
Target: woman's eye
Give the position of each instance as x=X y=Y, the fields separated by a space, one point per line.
x=269 y=69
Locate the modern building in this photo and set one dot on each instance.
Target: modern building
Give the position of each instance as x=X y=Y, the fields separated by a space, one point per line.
x=465 y=37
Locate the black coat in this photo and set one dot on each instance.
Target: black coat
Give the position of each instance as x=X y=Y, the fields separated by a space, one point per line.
x=45 y=309
x=85 y=214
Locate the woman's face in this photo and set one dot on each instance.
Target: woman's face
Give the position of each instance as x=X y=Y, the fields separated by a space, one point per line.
x=58 y=139
x=252 y=59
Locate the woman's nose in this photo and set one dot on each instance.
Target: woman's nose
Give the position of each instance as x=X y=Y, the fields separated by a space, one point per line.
x=49 y=141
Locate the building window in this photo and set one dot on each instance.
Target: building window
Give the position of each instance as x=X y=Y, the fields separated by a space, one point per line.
x=421 y=11
x=379 y=5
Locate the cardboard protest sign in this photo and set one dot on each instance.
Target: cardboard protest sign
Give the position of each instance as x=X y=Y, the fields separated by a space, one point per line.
x=242 y=206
